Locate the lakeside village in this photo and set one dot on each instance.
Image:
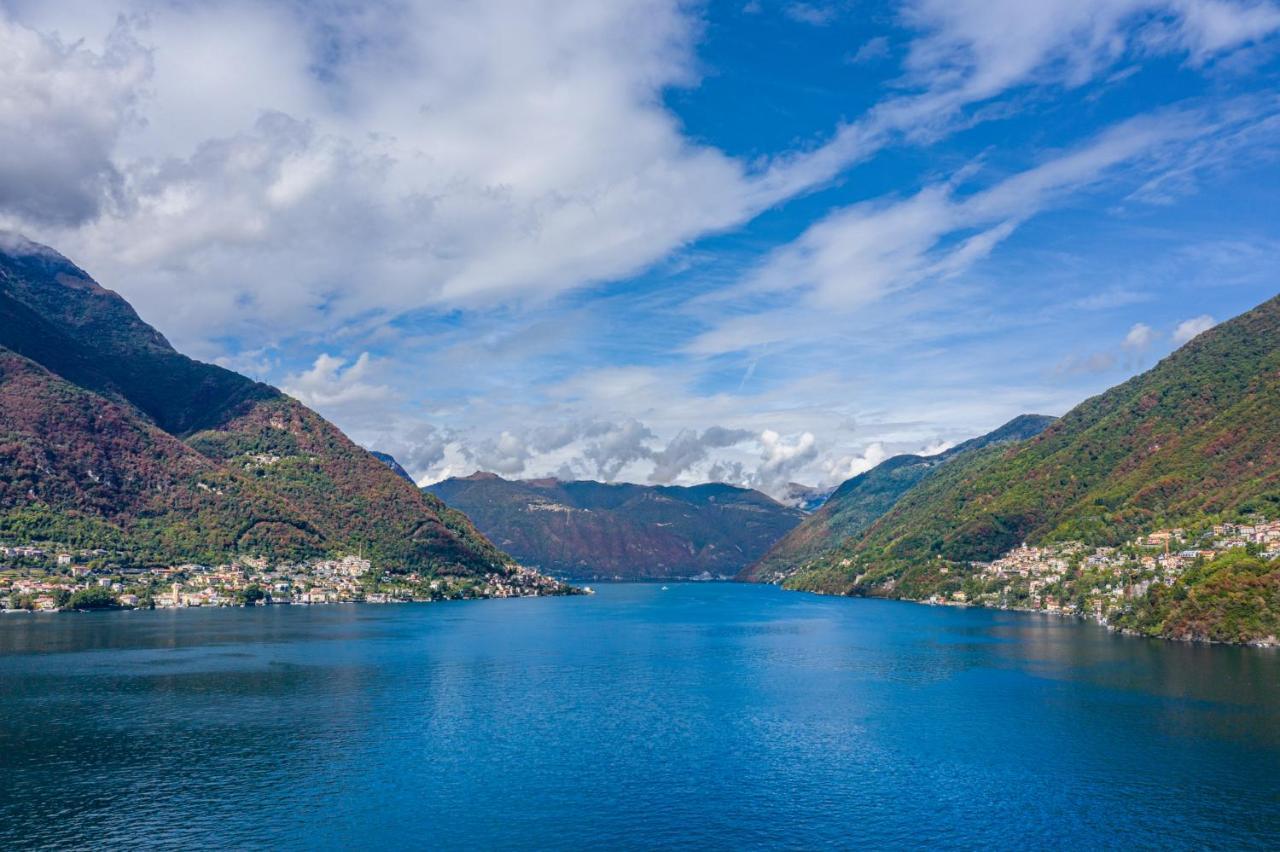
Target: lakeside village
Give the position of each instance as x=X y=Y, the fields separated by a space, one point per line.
x=44 y=579
x=1100 y=583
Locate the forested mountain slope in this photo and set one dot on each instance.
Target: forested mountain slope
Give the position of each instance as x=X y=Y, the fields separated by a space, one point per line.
x=1194 y=437
x=595 y=529
x=859 y=501
x=110 y=437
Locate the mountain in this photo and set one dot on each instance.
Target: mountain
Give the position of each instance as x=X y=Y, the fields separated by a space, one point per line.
x=111 y=438
x=859 y=501
x=1192 y=440
x=390 y=461
x=593 y=529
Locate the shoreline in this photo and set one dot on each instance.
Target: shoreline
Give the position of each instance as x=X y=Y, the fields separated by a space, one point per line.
x=574 y=591
x=1269 y=642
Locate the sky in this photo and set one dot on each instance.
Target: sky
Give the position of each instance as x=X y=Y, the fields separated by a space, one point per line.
x=759 y=241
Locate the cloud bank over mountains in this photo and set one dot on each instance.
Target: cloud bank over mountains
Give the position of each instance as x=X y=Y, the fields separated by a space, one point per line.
x=524 y=237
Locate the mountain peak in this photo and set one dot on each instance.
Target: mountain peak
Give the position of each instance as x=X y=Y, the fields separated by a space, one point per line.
x=117 y=439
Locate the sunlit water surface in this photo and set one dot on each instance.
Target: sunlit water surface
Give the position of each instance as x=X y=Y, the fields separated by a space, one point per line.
x=705 y=715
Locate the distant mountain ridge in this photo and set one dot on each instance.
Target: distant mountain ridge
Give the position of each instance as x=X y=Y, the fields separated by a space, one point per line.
x=110 y=437
x=859 y=501
x=591 y=529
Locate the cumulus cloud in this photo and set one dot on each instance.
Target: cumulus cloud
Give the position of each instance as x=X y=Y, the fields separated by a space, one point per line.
x=689 y=448
x=604 y=450
x=61 y=115
x=781 y=457
x=332 y=384
x=425 y=448
x=731 y=472
x=846 y=467
x=1130 y=354
x=614 y=446
x=1136 y=344
x=453 y=170
x=1139 y=338
x=1187 y=329
x=344 y=160
x=506 y=454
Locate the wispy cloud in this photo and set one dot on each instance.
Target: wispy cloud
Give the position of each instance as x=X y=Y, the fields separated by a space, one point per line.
x=871 y=250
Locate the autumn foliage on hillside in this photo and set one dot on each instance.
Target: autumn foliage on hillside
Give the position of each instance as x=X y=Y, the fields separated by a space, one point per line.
x=110 y=438
x=1192 y=438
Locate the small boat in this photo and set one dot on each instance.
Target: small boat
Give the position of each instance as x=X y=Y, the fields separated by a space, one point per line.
x=664 y=588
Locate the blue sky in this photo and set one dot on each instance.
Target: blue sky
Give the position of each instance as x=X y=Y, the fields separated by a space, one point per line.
x=657 y=241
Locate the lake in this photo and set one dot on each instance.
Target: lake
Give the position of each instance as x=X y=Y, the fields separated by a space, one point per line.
x=707 y=715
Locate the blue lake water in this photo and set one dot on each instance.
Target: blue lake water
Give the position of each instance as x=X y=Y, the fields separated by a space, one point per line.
x=707 y=715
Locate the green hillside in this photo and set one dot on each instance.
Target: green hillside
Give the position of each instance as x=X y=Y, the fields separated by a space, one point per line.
x=859 y=501
x=1192 y=438
x=109 y=437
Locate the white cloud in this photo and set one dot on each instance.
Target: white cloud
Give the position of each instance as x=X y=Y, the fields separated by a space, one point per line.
x=983 y=47
x=332 y=385
x=1189 y=328
x=406 y=161
x=689 y=448
x=613 y=447
x=419 y=450
x=1136 y=344
x=62 y=112
x=1139 y=338
x=447 y=167
x=847 y=467
x=865 y=252
x=309 y=172
x=507 y=454
x=1130 y=353
x=781 y=458
x=1209 y=27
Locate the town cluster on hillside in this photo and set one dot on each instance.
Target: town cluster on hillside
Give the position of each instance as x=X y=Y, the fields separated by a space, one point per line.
x=1099 y=582
x=48 y=579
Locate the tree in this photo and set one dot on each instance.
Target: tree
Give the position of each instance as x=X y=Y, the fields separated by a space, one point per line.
x=94 y=597
x=250 y=595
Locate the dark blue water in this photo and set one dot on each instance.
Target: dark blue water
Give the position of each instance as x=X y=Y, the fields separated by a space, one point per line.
x=717 y=716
